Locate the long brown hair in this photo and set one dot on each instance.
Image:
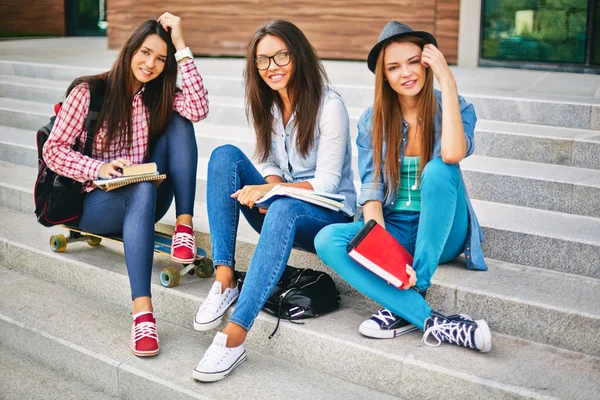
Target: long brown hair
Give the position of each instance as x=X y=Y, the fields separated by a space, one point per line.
x=305 y=88
x=158 y=96
x=387 y=121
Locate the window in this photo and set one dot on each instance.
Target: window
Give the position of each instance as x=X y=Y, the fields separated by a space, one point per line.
x=536 y=30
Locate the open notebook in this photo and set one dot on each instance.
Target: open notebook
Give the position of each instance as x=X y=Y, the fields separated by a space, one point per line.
x=331 y=201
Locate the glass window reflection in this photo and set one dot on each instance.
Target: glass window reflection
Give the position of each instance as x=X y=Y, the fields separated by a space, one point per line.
x=535 y=30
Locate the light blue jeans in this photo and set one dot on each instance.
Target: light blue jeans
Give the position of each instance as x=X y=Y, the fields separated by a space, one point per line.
x=435 y=235
x=131 y=211
x=289 y=222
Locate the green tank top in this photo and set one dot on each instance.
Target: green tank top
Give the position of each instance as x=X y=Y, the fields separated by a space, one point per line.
x=409 y=194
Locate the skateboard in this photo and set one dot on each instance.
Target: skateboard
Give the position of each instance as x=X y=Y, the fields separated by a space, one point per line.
x=169 y=277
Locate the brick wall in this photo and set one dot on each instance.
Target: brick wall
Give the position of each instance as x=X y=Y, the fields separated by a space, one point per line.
x=38 y=17
x=344 y=29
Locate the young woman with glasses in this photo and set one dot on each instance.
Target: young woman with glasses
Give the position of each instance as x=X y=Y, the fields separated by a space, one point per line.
x=303 y=141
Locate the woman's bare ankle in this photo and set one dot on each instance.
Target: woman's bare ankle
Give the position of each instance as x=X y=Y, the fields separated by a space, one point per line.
x=225 y=275
x=142 y=304
x=185 y=219
x=236 y=335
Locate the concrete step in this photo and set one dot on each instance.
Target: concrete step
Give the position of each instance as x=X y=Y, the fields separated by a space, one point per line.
x=528 y=184
x=88 y=339
x=22 y=377
x=545 y=144
x=544 y=186
x=538 y=143
x=329 y=344
x=23 y=114
x=564 y=146
x=502 y=295
x=224 y=78
x=540 y=238
x=546 y=239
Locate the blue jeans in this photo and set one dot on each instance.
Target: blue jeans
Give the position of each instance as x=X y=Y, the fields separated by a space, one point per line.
x=435 y=235
x=288 y=223
x=132 y=211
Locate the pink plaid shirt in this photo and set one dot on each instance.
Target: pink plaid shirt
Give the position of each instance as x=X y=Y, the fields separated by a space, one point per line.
x=191 y=103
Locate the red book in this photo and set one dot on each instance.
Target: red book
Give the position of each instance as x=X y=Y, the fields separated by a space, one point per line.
x=376 y=249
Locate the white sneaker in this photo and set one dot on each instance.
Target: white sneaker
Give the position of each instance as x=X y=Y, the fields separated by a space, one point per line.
x=218 y=360
x=210 y=313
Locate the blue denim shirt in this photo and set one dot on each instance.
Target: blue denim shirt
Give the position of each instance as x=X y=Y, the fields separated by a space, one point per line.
x=328 y=165
x=371 y=190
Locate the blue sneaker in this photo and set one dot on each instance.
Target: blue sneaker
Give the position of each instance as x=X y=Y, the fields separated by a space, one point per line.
x=458 y=329
x=385 y=325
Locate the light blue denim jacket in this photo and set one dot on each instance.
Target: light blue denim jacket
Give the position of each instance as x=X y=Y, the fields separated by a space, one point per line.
x=328 y=165
x=371 y=190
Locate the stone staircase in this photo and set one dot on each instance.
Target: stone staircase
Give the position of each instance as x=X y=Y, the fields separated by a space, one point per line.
x=535 y=181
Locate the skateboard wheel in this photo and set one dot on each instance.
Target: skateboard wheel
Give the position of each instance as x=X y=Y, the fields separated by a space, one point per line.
x=205 y=268
x=93 y=241
x=58 y=243
x=169 y=277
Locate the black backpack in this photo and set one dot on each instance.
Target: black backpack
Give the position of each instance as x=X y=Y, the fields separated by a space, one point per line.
x=58 y=199
x=301 y=293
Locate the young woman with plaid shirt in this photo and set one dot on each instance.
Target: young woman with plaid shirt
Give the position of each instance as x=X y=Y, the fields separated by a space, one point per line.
x=144 y=118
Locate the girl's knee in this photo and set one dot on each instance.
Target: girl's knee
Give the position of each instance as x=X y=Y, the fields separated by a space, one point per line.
x=323 y=239
x=437 y=170
x=224 y=155
x=331 y=241
x=145 y=191
x=179 y=124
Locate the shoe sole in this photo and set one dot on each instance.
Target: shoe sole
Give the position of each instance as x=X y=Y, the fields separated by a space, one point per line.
x=385 y=334
x=202 y=327
x=182 y=260
x=145 y=353
x=486 y=334
x=217 y=376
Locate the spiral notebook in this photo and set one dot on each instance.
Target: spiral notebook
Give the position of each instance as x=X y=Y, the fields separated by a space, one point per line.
x=377 y=250
x=136 y=177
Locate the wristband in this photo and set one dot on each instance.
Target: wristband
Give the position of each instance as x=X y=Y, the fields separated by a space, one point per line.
x=183 y=53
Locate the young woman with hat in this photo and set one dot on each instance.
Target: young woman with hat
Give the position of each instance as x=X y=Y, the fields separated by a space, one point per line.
x=409 y=145
x=144 y=117
x=303 y=140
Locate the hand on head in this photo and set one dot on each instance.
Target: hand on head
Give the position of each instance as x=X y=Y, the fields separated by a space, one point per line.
x=433 y=57
x=172 y=24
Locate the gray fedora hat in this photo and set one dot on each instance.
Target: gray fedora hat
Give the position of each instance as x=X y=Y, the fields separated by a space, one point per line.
x=392 y=30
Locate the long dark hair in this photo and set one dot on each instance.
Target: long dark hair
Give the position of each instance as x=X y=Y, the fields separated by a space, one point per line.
x=387 y=121
x=305 y=88
x=158 y=95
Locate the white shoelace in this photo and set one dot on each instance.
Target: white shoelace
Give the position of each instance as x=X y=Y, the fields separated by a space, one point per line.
x=451 y=332
x=214 y=355
x=183 y=239
x=144 y=329
x=214 y=301
x=386 y=319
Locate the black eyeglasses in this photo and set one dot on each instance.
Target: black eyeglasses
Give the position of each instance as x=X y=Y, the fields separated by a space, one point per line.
x=281 y=59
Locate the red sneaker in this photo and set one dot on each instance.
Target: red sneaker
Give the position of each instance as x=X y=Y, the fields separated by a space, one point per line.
x=183 y=248
x=144 y=338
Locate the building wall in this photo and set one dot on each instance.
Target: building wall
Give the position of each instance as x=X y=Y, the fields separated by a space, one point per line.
x=344 y=29
x=37 y=17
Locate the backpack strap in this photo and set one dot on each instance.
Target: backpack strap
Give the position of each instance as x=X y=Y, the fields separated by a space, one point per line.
x=96 y=101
